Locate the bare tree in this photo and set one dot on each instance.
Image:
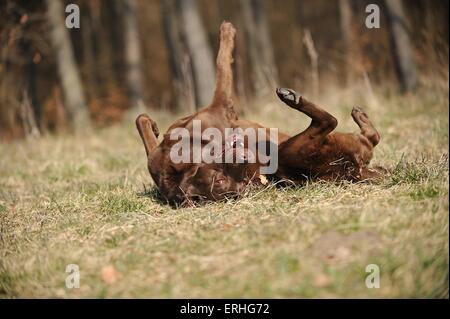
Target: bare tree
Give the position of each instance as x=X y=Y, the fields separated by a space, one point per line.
x=133 y=56
x=67 y=67
x=178 y=59
x=345 y=13
x=257 y=74
x=401 y=46
x=88 y=53
x=28 y=117
x=98 y=27
x=314 y=58
x=264 y=41
x=259 y=45
x=199 y=51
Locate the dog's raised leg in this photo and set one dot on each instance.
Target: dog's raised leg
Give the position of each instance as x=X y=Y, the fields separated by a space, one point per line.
x=367 y=128
x=307 y=142
x=224 y=73
x=370 y=133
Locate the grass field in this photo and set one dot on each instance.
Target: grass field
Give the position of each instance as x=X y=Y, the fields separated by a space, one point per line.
x=89 y=200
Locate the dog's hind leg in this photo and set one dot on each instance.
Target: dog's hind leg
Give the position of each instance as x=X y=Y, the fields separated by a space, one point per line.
x=299 y=150
x=368 y=133
x=367 y=128
x=148 y=130
x=224 y=73
x=322 y=122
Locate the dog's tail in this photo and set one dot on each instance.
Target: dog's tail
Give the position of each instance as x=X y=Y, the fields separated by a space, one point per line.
x=148 y=130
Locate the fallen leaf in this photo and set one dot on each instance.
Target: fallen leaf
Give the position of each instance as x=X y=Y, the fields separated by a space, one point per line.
x=322 y=280
x=263 y=179
x=110 y=275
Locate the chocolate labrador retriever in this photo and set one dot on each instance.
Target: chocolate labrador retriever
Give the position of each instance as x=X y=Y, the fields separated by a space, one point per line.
x=316 y=153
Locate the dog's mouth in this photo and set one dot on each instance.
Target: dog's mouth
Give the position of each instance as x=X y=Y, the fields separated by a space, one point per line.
x=234 y=150
x=234 y=141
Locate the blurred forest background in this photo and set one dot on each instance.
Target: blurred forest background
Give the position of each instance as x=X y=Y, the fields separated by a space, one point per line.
x=131 y=55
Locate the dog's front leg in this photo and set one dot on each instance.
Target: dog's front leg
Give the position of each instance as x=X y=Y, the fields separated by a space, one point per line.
x=224 y=82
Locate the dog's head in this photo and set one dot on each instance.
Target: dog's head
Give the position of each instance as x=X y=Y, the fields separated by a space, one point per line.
x=191 y=182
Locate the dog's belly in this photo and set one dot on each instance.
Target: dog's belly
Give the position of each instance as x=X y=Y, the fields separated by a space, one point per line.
x=340 y=157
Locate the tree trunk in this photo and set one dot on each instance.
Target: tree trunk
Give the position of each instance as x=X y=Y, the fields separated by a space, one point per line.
x=345 y=12
x=199 y=51
x=401 y=46
x=90 y=71
x=30 y=89
x=314 y=58
x=183 y=91
x=260 y=52
x=264 y=41
x=67 y=67
x=133 y=56
x=104 y=54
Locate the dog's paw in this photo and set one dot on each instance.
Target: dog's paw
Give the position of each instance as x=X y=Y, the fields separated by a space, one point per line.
x=143 y=119
x=227 y=30
x=357 y=109
x=289 y=96
x=359 y=115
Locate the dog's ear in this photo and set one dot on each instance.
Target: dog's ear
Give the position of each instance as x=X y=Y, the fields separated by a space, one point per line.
x=192 y=171
x=190 y=189
x=175 y=181
x=148 y=130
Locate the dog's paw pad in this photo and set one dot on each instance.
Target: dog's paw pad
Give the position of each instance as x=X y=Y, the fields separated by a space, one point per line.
x=359 y=111
x=288 y=95
x=227 y=29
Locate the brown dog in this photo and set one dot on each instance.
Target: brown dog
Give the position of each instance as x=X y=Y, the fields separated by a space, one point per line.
x=314 y=153
x=197 y=181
